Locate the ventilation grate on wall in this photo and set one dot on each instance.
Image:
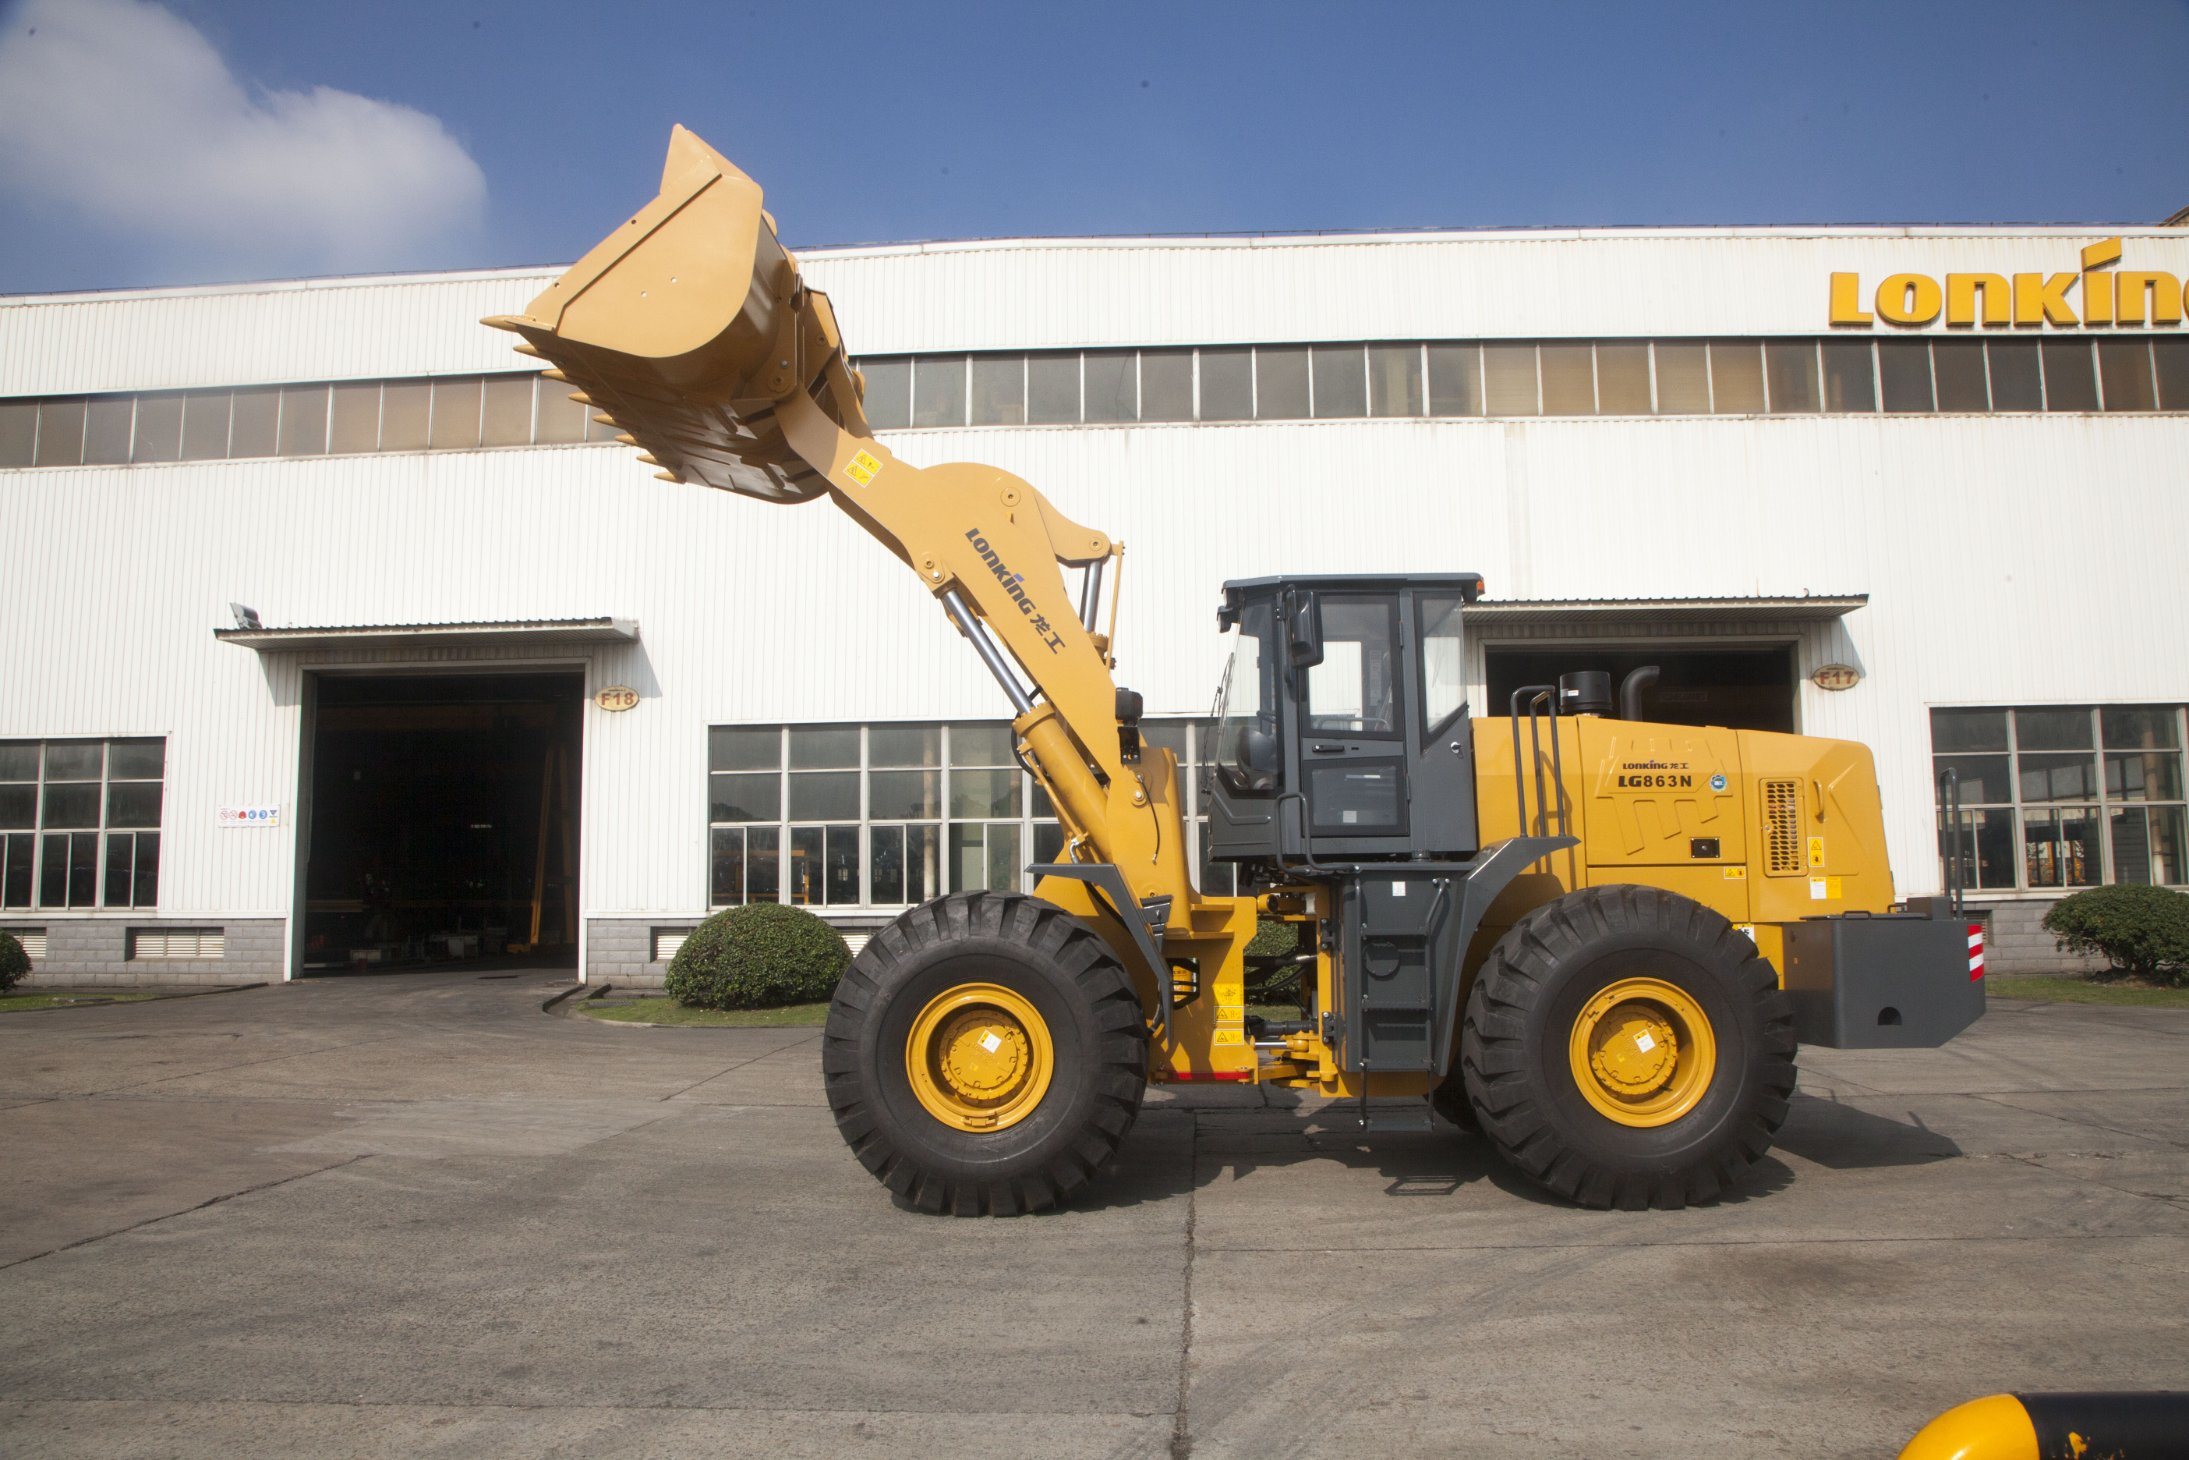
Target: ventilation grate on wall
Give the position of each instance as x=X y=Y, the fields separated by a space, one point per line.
x=1782 y=828
x=33 y=941
x=667 y=941
x=177 y=943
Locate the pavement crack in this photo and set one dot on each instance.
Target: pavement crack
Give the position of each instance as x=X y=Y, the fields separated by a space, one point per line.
x=211 y=1201
x=1181 y=1419
x=731 y=1069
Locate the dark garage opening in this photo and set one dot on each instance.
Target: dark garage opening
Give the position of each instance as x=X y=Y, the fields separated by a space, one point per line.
x=443 y=820
x=1741 y=689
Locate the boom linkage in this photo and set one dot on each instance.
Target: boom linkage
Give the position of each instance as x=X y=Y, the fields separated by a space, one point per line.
x=691 y=331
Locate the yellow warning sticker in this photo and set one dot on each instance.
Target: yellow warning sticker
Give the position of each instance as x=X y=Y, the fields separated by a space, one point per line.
x=1736 y=874
x=862 y=467
x=1835 y=888
x=1816 y=851
x=1231 y=1023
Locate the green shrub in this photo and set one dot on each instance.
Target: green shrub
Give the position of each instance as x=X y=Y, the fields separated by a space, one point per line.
x=761 y=956
x=2144 y=930
x=14 y=962
x=1274 y=939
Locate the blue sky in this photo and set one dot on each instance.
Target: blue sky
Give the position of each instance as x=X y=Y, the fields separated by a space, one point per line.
x=215 y=140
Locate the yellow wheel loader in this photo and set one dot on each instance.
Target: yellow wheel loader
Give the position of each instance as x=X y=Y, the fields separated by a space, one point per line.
x=1594 y=939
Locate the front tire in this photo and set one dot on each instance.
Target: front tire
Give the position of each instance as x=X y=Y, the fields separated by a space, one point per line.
x=1627 y=1047
x=985 y=1055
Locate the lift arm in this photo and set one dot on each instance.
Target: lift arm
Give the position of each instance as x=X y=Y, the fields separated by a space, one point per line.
x=690 y=329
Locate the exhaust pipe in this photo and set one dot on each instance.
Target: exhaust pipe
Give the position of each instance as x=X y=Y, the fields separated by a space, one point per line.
x=1632 y=688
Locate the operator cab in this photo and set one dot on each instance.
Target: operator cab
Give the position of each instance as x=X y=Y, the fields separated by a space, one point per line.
x=1342 y=730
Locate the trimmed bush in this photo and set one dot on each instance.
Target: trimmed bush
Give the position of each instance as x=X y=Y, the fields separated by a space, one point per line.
x=2144 y=930
x=14 y=962
x=1273 y=939
x=761 y=956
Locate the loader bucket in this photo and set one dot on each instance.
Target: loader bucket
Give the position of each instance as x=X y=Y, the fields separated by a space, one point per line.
x=686 y=328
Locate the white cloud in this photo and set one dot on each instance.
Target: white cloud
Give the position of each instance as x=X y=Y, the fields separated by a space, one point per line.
x=126 y=115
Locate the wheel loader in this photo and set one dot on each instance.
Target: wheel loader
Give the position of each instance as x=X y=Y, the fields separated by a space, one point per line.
x=1595 y=940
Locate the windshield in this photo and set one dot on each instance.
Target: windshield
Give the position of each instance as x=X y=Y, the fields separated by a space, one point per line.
x=1246 y=705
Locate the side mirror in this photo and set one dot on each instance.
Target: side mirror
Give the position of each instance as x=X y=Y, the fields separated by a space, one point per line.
x=1303 y=619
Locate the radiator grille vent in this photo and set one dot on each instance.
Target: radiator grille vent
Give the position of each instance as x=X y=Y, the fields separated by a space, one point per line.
x=1782 y=828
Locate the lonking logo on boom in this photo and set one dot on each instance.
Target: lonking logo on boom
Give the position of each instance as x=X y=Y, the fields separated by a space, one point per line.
x=1015 y=585
x=2032 y=301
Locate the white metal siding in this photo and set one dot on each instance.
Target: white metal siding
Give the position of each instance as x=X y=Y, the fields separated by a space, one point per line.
x=750 y=612
x=1035 y=294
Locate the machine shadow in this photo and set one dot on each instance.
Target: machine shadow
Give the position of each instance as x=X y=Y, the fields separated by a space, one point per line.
x=1842 y=1137
x=1174 y=1151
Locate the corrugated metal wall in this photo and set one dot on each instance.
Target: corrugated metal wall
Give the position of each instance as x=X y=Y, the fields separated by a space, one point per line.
x=1016 y=295
x=2008 y=559
x=1993 y=577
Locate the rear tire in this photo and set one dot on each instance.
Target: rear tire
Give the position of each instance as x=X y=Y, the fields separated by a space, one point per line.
x=1627 y=1047
x=985 y=1055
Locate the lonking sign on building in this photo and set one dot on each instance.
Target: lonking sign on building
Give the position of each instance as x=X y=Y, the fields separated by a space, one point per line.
x=2030 y=301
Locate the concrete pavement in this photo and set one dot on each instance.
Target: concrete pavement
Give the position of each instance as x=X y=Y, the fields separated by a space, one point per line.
x=412 y=1215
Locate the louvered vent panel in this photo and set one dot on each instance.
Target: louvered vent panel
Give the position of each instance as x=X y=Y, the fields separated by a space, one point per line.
x=1782 y=827
x=856 y=941
x=177 y=943
x=33 y=941
x=667 y=941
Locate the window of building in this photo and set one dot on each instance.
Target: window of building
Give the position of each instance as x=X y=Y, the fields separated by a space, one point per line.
x=2124 y=366
x=1790 y=370
x=1683 y=378
x=2071 y=384
x=205 y=425
x=1850 y=376
x=2017 y=384
x=1622 y=378
x=1455 y=380
x=1394 y=380
x=1509 y=381
x=1569 y=378
x=887 y=815
x=1052 y=389
x=938 y=390
x=888 y=397
x=1227 y=384
x=1341 y=381
x=109 y=423
x=80 y=822
x=1904 y=375
x=999 y=390
x=1282 y=382
x=2170 y=362
x=1166 y=385
x=1736 y=377
x=1109 y=381
x=2055 y=798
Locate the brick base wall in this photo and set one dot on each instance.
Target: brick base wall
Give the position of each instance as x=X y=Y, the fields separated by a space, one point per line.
x=621 y=950
x=94 y=952
x=2015 y=941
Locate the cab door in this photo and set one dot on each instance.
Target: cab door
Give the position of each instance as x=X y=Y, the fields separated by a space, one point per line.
x=1351 y=714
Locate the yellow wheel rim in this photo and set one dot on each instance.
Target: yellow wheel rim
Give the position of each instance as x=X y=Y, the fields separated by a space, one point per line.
x=1642 y=1052
x=979 y=1057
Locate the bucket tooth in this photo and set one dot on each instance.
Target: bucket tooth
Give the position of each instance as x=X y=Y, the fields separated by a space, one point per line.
x=555 y=375
x=533 y=350
x=604 y=420
x=500 y=322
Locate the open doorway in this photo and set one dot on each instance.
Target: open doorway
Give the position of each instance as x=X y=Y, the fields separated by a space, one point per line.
x=442 y=820
x=1741 y=689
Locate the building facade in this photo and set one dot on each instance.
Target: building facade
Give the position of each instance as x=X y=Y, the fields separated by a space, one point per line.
x=336 y=638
